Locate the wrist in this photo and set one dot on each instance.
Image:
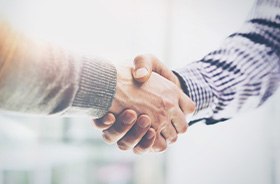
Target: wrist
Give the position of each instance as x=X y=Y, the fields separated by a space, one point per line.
x=121 y=98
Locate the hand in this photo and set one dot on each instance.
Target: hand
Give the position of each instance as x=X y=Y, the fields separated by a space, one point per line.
x=128 y=130
x=159 y=98
x=147 y=64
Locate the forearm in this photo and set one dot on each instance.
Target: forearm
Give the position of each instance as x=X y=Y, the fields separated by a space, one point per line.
x=243 y=73
x=40 y=78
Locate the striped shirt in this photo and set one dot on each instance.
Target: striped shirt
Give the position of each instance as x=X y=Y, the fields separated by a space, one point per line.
x=242 y=73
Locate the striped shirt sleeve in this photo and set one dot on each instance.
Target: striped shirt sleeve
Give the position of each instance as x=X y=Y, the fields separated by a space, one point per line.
x=242 y=73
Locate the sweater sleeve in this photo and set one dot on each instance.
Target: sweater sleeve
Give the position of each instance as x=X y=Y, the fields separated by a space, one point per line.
x=243 y=73
x=40 y=78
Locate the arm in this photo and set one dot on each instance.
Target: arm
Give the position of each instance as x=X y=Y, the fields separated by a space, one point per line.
x=110 y=124
x=242 y=73
x=40 y=78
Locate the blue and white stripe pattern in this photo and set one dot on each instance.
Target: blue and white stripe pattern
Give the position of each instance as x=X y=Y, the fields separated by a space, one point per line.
x=242 y=73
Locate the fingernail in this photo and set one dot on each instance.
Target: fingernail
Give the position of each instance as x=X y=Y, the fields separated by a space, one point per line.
x=138 y=150
x=108 y=121
x=144 y=122
x=141 y=72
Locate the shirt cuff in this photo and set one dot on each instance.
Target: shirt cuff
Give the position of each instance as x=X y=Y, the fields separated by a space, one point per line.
x=197 y=88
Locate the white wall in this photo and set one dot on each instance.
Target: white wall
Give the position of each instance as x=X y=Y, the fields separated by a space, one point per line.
x=117 y=30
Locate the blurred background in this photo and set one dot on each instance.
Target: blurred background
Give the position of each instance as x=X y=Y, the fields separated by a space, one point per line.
x=55 y=150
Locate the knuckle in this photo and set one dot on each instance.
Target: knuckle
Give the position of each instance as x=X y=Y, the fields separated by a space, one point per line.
x=183 y=129
x=166 y=104
x=164 y=107
x=162 y=126
x=163 y=148
x=171 y=139
x=120 y=128
x=160 y=121
x=174 y=139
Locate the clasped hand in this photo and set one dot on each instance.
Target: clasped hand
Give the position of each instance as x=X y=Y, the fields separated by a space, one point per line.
x=149 y=110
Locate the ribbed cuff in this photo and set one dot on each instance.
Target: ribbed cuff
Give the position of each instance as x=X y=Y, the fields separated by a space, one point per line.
x=97 y=87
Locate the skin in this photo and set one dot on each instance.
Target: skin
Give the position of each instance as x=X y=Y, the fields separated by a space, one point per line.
x=151 y=64
x=35 y=70
x=140 y=142
x=158 y=98
x=157 y=102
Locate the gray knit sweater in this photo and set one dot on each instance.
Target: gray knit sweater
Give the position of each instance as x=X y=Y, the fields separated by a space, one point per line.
x=40 y=78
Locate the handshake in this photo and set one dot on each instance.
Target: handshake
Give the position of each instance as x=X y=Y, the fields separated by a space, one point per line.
x=149 y=109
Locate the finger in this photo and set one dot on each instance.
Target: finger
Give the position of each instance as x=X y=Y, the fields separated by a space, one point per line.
x=160 y=144
x=123 y=124
x=169 y=133
x=146 y=142
x=105 y=122
x=135 y=134
x=143 y=68
x=187 y=106
x=179 y=121
x=164 y=71
x=146 y=64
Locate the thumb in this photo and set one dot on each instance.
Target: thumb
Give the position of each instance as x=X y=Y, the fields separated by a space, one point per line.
x=146 y=64
x=143 y=68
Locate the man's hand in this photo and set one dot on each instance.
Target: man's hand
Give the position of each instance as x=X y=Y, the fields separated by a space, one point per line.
x=128 y=130
x=158 y=98
x=144 y=66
